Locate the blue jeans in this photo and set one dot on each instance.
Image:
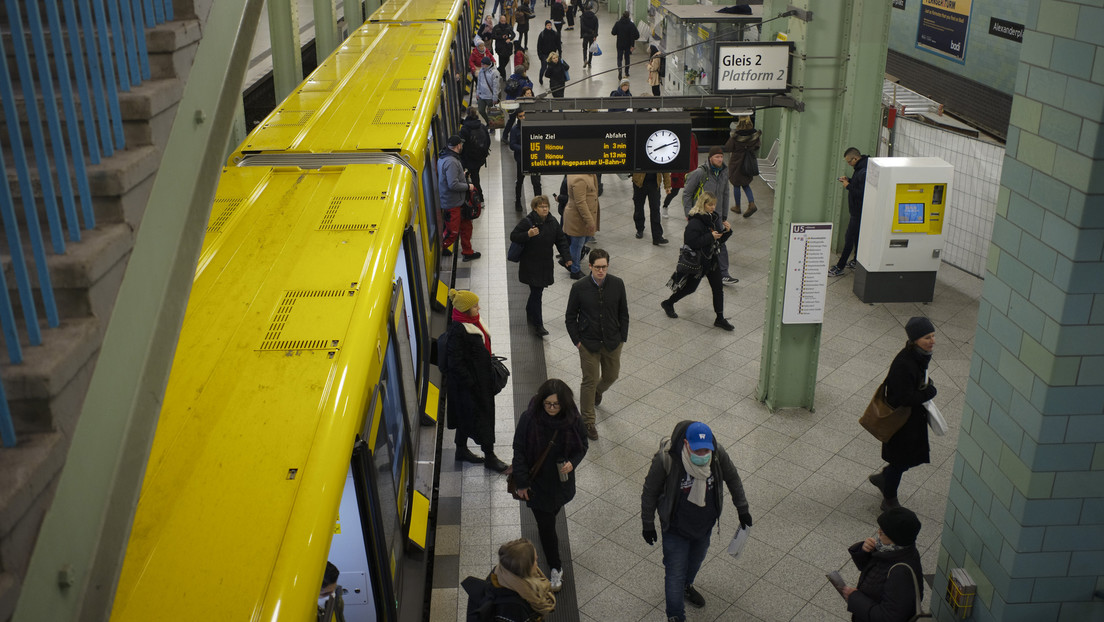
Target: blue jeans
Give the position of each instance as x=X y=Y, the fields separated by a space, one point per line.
x=682 y=558
x=747 y=191
x=576 y=248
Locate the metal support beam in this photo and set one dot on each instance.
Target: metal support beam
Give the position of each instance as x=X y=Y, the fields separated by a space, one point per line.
x=80 y=549
x=354 y=15
x=326 y=35
x=826 y=51
x=665 y=103
x=287 y=57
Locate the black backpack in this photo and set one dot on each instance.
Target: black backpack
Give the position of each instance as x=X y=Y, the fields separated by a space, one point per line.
x=512 y=86
x=442 y=352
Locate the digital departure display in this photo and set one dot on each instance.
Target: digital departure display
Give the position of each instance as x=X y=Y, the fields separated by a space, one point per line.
x=608 y=143
x=910 y=213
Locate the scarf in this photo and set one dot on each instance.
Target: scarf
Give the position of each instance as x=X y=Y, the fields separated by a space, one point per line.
x=545 y=425
x=701 y=478
x=536 y=591
x=883 y=547
x=460 y=316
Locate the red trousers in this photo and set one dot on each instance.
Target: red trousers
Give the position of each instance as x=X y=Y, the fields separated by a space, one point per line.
x=457 y=227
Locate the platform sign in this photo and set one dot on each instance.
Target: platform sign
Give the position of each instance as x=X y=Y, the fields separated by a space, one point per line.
x=807 y=273
x=607 y=143
x=754 y=67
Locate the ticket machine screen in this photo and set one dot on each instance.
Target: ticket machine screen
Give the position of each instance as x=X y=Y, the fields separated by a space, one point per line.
x=910 y=213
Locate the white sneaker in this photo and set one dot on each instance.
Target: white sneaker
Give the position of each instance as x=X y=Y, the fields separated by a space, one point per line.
x=556 y=579
x=663 y=212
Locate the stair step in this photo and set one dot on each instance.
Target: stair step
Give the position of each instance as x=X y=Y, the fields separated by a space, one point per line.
x=28 y=478
x=46 y=391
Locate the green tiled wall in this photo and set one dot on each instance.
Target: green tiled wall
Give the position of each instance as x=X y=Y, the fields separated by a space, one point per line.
x=1025 y=510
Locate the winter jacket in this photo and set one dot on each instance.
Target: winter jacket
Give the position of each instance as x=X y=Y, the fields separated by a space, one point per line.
x=473 y=157
x=557 y=74
x=699 y=237
x=617 y=92
x=588 y=26
x=475 y=59
x=522 y=16
x=739 y=143
x=885 y=593
x=653 y=69
x=452 y=189
x=596 y=316
x=664 y=180
x=536 y=267
x=470 y=384
x=548 y=41
x=546 y=492
x=662 y=484
x=715 y=181
x=503 y=36
x=626 y=33
x=856 y=188
x=581 y=212
x=523 y=83
x=486 y=83
x=557 y=13
x=905 y=386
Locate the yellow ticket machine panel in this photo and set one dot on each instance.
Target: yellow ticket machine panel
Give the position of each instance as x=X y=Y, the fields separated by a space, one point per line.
x=919 y=208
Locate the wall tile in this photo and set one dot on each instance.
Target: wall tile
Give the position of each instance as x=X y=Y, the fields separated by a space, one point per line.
x=999 y=484
x=1091 y=140
x=1075 y=484
x=1016 y=175
x=1085 y=211
x=1046 y=86
x=1026 y=113
x=1098 y=66
x=1069 y=56
x=1081 y=611
x=1087 y=562
x=1086 y=428
x=1092 y=369
x=1086 y=277
x=1077 y=169
x=1025 y=314
x=1081 y=340
x=1059 y=19
x=1092 y=512
x=1006 y=428
x=1007 y=236
x=996 y=293
x=1046 y=512
x=1072 y=537
x=1015 y=273
x=1072 y=456
x=1030 y=612
x=995 y=384
x=1053 y=370
x=1054 y=564
x=1036 y=49
x=1029 y=483
x=1060 y=126
x=1036 y=152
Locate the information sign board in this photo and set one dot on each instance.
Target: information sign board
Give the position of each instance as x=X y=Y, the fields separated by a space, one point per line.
x=610 y=143
x=754 y=67
x=807 y=273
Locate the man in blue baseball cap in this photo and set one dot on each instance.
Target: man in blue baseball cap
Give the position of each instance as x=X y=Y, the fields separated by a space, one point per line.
x=683 y=485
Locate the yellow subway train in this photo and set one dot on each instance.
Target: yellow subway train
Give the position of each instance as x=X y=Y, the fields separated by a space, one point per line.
x=299 y=424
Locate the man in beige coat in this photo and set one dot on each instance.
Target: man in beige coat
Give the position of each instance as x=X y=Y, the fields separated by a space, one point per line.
x=580 y=218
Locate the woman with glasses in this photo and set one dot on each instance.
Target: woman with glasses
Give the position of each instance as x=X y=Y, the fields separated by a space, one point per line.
x=552 y=429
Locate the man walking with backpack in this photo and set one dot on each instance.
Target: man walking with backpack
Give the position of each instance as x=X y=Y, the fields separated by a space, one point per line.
x=453 y=188
x=684 y=486
x=477 y=146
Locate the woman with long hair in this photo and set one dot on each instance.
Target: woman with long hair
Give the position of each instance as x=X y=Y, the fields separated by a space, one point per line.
x=516 y=589
x=705 y=232
x=551 y=427
x=743 y=141
x=556 y=72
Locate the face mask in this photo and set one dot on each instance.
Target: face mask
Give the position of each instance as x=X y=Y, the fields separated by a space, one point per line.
x=701 y=460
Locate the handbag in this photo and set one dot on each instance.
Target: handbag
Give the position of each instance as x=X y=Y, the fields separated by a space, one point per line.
x=936 y=421
x=514 y=254
x=595 y=50
x=473 y=205
x=511 y=484
x=920 y=614
x=881 y=419
x=496 y=118
x=689 y=261
x=751 y=164
x=499 y=373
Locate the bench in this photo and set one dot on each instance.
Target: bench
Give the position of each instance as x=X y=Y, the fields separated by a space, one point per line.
x=768 y=167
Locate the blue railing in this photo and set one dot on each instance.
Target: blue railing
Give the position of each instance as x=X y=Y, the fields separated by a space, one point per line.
x=103 y=49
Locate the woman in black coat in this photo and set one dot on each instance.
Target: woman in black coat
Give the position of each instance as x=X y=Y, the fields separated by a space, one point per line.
x=887 y=590
x=556 y=72
x=551 y=422
x=705 y=232
x=470 y=387
x=907 y=384
x=538 y=232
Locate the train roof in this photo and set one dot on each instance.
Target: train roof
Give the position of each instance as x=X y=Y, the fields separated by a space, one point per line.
x=265 y=397
x=419 y=10
x=377 y=92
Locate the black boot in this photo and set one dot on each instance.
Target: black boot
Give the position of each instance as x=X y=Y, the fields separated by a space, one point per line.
x=463 y=454
x=492 y=462
x=878 y=479
x=669 y=308
x=721 y=322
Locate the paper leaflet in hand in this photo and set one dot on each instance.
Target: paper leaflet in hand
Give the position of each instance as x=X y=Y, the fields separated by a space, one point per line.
x=738 y=541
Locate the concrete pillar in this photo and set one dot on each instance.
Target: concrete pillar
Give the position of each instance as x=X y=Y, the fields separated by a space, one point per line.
x=1025 y=510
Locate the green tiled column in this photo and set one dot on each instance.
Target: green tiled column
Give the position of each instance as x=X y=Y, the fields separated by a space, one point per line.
x=1025 y=511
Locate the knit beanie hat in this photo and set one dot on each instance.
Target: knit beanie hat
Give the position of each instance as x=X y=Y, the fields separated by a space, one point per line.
x=463 y=300
x=714 y=151
x=901 y=525
x=919 y=326
x=487 y=61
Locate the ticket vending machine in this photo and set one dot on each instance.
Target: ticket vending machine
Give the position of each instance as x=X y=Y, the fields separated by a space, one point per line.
x=901 y=236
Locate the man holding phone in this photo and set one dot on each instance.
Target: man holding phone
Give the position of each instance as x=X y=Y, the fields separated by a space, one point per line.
x=856 y=187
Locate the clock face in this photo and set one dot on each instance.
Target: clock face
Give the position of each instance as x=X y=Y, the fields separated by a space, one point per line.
x=662 y=146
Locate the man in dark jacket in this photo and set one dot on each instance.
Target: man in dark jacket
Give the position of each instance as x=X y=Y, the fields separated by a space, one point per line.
x=626 y=34
x=503 y=34
x=597 y=321
x=453 y=191
x=588 y=25
x=547 y=42
x=684 y=486
x=477 y=143
x=890 y=573
x=856 y=188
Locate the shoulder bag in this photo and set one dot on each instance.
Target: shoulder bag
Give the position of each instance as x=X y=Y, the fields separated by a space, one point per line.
x=511 y=485
x=514 y=254
x=499 y=373
x=916 y=591
x=881 y=419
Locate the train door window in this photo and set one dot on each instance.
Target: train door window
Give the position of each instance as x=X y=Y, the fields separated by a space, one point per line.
x=350 y=555
x=395 y=418
x=440 y=131
x=418 y=304
x=401 y=354
x=409 y=332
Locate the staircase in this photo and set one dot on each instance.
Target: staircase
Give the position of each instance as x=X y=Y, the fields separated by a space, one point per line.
x=47 y=390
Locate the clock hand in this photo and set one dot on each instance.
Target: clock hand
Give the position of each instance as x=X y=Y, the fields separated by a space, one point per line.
x=667 y=145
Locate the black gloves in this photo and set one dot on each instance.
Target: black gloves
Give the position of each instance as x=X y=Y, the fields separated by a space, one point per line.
x=650 y=536
x=745 y=519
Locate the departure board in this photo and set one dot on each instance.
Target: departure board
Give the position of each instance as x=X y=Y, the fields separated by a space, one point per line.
x=605 y=142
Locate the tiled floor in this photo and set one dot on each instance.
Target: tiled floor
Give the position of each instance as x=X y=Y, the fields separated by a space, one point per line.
x=804 y=472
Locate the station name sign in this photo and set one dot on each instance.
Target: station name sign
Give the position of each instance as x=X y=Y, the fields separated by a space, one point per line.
x=610 y=143
x=754 y=67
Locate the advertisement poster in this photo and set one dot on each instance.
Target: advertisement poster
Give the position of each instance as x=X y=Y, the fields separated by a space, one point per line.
x=943 y=27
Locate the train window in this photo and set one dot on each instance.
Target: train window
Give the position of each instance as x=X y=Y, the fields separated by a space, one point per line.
x=395 y=426
x=429 y=193
x=418 y=305
x=406 y=325
x=348 y=551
